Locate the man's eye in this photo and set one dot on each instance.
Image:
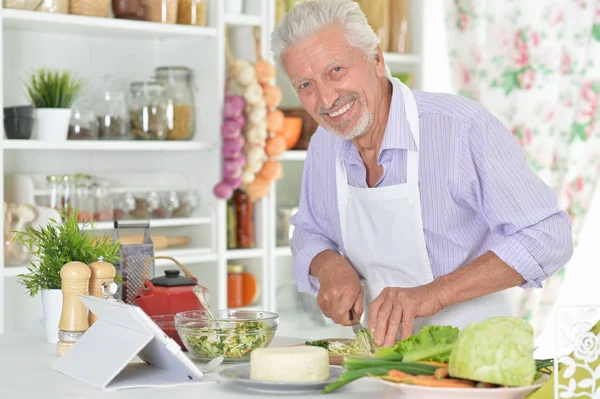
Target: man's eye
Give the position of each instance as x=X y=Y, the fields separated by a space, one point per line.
x=337 y=69
x=304 y=85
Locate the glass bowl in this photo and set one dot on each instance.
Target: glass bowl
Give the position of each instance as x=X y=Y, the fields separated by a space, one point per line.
x=167 y=324
x=234 y=334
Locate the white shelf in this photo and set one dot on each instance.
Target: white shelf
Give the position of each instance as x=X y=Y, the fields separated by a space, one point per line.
x=104 y=145
x=242 y=20
x=293 y=155
x=251 y=253
x=396 y=59
x=185 y=256
x=283 y=251
x=192 y=221
x=33 y=21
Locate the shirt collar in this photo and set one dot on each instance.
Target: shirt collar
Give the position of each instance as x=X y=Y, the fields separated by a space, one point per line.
x=397 y=131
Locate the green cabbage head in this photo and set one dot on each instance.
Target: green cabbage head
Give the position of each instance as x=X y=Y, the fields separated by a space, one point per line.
x=498 y=350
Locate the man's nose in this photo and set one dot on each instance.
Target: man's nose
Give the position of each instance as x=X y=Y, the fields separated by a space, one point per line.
x=327 y=96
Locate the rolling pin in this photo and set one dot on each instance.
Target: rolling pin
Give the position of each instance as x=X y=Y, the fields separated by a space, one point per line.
x=160 y=241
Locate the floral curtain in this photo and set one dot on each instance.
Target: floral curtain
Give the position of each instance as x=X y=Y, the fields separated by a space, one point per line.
x=535 y=64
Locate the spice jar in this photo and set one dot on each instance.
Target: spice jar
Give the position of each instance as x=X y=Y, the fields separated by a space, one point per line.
x=149 y=111
x=54 y=192
x=124 y=205
x=180 y=99
x=192 y=12
x=83 y=124
x=235 y=281
x=103 y=205
x=188 y=203
x=84 y=201
x=244 y=216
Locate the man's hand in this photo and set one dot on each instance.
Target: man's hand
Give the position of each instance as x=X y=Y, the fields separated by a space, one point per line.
x=397 y=308
x=340 y=288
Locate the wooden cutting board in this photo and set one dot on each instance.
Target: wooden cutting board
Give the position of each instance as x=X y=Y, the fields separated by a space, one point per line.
x=336 y=360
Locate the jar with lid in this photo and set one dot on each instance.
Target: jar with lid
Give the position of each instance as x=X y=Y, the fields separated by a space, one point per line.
x=178 y=82
x=192 y=12
x=124 y=205
x=148 y=113
x=189 y=202
x=83 y=124
x=164 y=11
x=235 y=286
x=83 y=200
x=245 y=219
x=54 y=187
x=103 y=204
x=113 y=121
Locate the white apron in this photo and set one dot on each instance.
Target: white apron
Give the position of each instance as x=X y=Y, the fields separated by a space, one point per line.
x=382 y=232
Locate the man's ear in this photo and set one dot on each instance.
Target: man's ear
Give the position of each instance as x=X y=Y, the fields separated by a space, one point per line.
x=379 y=63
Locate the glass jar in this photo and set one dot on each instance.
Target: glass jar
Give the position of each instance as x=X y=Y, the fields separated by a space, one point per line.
x=113 y=121
x=124 y=205
x=189 y=202
x=235 y=285
x=83 y=200
x=164 y=11
x=53 y=6
x=149 y=111
x=83 y=124
x=67 y=191
x=192 y=12
x=180 y=97
x=245 y=219
x=54 y=187
x=103 y=204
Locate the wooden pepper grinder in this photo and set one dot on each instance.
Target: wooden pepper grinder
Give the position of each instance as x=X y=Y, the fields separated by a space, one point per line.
x=75 y=277
x=101 y=271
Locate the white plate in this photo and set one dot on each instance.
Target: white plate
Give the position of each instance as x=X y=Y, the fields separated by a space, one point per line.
x=241 y=375
x=420 y=392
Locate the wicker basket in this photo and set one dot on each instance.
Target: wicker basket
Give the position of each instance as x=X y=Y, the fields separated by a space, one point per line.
x=90 y=8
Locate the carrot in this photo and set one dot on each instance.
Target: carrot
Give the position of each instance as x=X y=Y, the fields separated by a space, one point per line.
x=442 y=372
x=439 y=364
x=430 y=381
x=401 y=374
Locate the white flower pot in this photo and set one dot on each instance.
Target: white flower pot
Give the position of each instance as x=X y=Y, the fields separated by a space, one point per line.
x=51 y=124
x=52 y=303
x=234 y=6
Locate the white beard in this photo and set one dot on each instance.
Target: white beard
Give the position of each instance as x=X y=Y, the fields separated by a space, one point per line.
x=362 y=125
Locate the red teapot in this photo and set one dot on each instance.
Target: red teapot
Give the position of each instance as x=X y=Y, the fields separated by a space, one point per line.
x=168 y=294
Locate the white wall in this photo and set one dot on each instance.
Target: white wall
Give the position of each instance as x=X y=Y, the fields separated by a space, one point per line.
x=583 y=273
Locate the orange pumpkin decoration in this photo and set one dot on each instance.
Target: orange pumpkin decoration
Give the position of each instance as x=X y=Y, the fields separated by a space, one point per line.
x=271 y=170
x=275 y=145
x=258 y=189
x=275 y=120
x=265 y=71
x=272 y=95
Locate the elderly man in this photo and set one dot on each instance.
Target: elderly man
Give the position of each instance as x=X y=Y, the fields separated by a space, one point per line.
x=426 y=198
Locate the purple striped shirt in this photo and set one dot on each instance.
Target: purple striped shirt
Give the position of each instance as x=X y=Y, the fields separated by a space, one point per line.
x=477 y=192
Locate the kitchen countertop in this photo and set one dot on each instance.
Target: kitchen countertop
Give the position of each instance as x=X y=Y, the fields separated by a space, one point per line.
x=26 y=372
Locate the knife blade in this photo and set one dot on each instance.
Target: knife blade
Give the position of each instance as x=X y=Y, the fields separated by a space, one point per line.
x=365 y=334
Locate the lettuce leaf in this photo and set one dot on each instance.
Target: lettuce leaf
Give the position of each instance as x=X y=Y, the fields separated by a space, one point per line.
x=432 y=343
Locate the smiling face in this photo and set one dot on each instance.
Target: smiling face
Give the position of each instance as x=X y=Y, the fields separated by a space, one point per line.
x=336 y=83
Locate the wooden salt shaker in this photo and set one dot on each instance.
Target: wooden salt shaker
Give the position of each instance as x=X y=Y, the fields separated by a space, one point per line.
x=101 y=271
x=75 y=277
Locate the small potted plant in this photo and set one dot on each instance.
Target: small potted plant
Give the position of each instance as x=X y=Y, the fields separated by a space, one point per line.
x=52 y=246
x=52 y=93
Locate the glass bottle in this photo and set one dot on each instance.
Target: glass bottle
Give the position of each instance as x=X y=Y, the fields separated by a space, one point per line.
x=67 y=192
x=235 y=281
x=245 y=217
x=192 y=12
x=180 y=100
x=54 y=188
x=232 y=242
x=103 y=204
x=84 y=201
x=149 y=111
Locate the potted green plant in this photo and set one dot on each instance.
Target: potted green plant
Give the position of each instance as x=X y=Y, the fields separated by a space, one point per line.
x=52 y=93
x=52 y=246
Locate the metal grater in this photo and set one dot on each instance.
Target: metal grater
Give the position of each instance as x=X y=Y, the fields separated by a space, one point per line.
x=133 y=257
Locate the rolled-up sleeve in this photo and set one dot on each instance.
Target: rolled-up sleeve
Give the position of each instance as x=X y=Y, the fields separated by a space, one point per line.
x=533 y=235
x=311 y=234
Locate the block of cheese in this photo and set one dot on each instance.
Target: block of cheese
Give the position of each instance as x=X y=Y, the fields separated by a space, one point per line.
x=290 y=364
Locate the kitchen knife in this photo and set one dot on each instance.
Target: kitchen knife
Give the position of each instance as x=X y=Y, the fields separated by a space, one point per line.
x=365 y=334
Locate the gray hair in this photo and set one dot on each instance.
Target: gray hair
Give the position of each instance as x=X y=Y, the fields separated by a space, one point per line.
x=308 y=17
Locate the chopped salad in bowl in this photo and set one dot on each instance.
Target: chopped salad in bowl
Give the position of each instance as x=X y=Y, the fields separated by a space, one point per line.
x=233 y=334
